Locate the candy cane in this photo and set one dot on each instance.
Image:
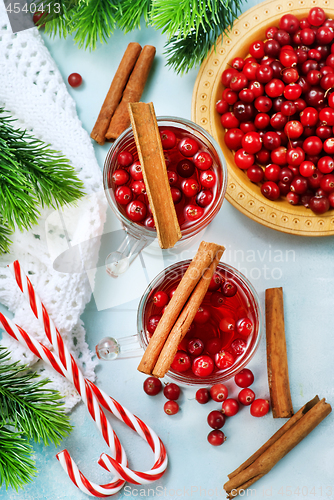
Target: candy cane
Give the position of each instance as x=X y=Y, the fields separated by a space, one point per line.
x=95 y=411
x=111 y=464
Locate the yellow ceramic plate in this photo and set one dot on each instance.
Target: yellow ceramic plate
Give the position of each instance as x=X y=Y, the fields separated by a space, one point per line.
x=242 y=193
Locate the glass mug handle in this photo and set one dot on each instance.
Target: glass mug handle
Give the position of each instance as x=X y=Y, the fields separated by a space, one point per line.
x=119 y=261
x=110 y=348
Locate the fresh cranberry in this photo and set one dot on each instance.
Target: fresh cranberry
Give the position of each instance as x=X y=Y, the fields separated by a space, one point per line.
x=202 y=366
x=149 y=222
x=270 y=190
x=259 y=407
x=289 y=23
x=230 y=97
x=176 y=195
x=243 y=159
x=202 y=160
x=181 y=362
x=160 y=298
x=123 y=195
x=319 y=204
x=202 y=396
x=262 y=121
x=152 y=386
x=246 y=95
x=136 y=210
x=238 y=346
x=229 y=288
x=251 y=142
x=216 y=438
x=138 y=187
x=274 y=88
x=202 y=315
x=306 y=168
x=190 y=187
x=204 y=198
x=312 y=145
x=286 y=175
x=74 y=79
x=215 y=282
x=193 y=212
x=227 y=76
x=120 y=177
x=172 y=391
x=272 y=172
x=326 y=165
x=293 y=198
x=219 y=392
x=250 y=69
x=171 y=407
x=168 y=139
x=208 y=178
x=246 y=397
x=217 y=299
x=270 y=32
x=244 y=326
x=255 y=174
x=172 y=177
x=153 y=322
x=222 y=106
x=282 y=37
x=244 y=378
x=227 y=324
x=224 y=359
x=233 y=138
x=263 y=156
x=136 y=171
x=230 y=407
x=216 y=419
x=185 y=168
x=213 y=345
x=327 y=183
x=125 y=158
x=238 y=63
x=195 y=347
x=188 y=146
x=316 y=16
x=238 y=82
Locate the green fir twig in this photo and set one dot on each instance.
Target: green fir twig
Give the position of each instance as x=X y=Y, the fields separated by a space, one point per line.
x=31 y=174
x=35 y=412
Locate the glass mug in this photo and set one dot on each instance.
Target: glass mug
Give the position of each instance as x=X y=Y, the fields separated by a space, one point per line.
x=245 y=303
x=137 y=235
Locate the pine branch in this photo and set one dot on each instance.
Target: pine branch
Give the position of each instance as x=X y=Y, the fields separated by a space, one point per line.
x=17 y=467
x=28 y=405
x=31 y=174
x=129 y=15
x=184 y=53
x=5 y=241
x=57 y=19
x=93 y=21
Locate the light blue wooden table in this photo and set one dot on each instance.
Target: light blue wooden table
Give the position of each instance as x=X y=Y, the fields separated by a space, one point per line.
x=304 y=267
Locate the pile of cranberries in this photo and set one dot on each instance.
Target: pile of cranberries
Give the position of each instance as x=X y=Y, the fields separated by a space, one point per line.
x=278 y=111
x=230 y=406
x=191 y=175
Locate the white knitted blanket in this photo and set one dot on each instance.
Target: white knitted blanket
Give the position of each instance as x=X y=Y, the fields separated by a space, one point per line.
x=33 y=91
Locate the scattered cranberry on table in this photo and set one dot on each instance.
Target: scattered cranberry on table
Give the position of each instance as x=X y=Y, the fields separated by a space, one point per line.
x=152 y=386
x=172 y=391
x=244 y=378
x=171 y=407
x=259 y=407
x=216 y=419
x=277 y=109
x=75 y=80
x=202 y=396
x=216 y=438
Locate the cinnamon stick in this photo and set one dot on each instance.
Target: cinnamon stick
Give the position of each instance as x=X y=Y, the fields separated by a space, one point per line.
x=185 y=319
x=152 y=159
x=132 y=93
x=202 y=260
x=115 y=92
x=277 y=360
x=294 y=431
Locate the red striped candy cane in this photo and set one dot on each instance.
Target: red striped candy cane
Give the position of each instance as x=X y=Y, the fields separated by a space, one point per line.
x=95 y=411
x=112 y=464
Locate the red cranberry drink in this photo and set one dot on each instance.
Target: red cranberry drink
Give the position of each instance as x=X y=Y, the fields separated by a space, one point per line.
x=196 y=171
x=224 y=334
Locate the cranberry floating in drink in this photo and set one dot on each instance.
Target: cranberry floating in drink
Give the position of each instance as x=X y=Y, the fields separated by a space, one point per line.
x=197 y=177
